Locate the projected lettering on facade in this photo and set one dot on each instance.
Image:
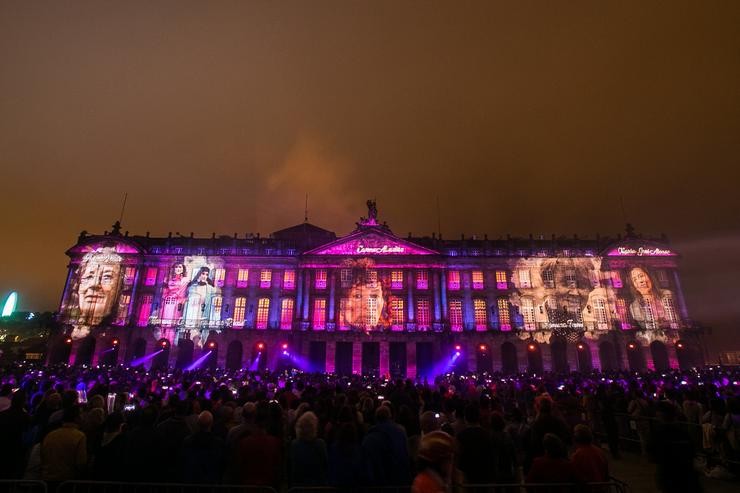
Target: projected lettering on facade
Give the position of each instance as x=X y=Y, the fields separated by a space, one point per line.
x=640 y=252
x=382 y=250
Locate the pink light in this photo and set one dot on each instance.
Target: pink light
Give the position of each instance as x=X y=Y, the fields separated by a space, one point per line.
x=373 y=243
x=626 y=251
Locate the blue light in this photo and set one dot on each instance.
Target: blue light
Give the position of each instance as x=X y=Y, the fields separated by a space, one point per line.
x=10 y=302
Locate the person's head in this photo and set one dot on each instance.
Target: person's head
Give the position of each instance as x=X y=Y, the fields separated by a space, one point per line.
x=99 y=278
x=666 y=411
x=641 y=281
x=306 y=427
x=472 y=414
x=205 y=421
x=383 y=413
x=430 y=421
x=437 y=451
x=18 y=401
x=71 y=414
x=249 y=412
x=178 y=270
x=582 y=435
x=553 y=445
x=201 y=277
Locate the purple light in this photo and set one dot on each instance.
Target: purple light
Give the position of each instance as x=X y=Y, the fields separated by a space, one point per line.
x=371 y=244
x=146 y=358
x=195 y=364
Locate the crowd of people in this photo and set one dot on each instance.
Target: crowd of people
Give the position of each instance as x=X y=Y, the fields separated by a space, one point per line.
x=288 y=429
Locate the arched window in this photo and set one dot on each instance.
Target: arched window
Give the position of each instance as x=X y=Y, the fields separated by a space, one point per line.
x=263 y=312
x=286 y=313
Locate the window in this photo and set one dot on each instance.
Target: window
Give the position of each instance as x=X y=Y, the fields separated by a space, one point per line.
x=371 y=278
x=345 y=277
x=242 y=278
x=265 y=278
x=240 y=305
x=574 y=309
x=319 y=314
x=453 y=280
x=289 y=279
x=524 y=279
x=422 y=279
x=528 y=314
x=456 y=322
x=670 y=311
x=422 y=314
x=397 y=313
x=570 y=278
x=663 y=278
x=501 y=281
x=477 y=279
x=123 y=302
x=218 y=277
x=286 y=313
x=128 y=275
x=320 y=279
x=216 y=302
x=151 y=276
x=622 y=314
x=548 y=278
x=595 y=281
x=504 y=320
x=649 y=311
x=371 y=314
x=616 y=279
x=481 y=314
x=263 y=312
x=602 y=319
x=145 y=310
x=396 y=279
x=169 y=311
x=343 y=322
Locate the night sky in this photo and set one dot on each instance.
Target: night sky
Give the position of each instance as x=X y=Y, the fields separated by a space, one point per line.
x=522 y=117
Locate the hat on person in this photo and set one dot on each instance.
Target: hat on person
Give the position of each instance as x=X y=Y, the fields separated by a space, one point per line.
x=436 y=447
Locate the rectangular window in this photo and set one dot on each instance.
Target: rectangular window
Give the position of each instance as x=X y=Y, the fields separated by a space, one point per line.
x=663 y=278
x=622 y=314
x=289 y=279
x=422 y=314
x=528 y=314
x=649 y=310
x=151 y=276
x=145 y=309
x=320 y=279
x=371 y=278
x=504 y=320
x=602 y=319
x=477 y=279
x=242 y=278
x=345 y=277
x=570 y=278
x=128 y=275
x=670 y=311
x=574 y=309
x=524 y=280
x=319 y=314
x=343 y=322
x=218 y=277
x=170 y=311
x=616 y=279
x=263 y=312
x=240 y=305
x=216 y=303
x=453 y=280
x=455 y=309
x=397 y=314
x=480 y=312
x=123 y=302
x=548 y=278
x=501 y=281
x=265 y=278
x=422 y=279
x=286 y=313
x=371 y=313
x=396 y=279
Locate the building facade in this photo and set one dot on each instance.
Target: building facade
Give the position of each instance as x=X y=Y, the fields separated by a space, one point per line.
x=375 y=302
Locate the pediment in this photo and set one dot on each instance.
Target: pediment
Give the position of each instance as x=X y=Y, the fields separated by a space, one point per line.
x=371 y=242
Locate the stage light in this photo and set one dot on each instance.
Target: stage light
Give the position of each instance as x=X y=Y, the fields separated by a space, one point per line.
x=260 y=346
x=532 y=347
x=211 y=345
x=679 y=345
x=164 y=344
x=580 y=346
x=632 y=346
x=68 y=340
x=115 y=342
x=458 y=347
x=483 y=348
x=284 y=346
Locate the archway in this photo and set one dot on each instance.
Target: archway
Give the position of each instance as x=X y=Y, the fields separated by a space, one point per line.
x=85 y=351
x=109 y=357
x=534 y=358
x=608 y=356
x=509 y=360
x=258 y=361
x=660 y=356
x=484 y=359
x=559 y=353
x=185 y=349
x=585 y=362
x=635 y=358
x=686 y=355
x=234 y=353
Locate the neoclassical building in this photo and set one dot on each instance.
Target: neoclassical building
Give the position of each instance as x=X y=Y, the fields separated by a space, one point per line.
x=375 y=302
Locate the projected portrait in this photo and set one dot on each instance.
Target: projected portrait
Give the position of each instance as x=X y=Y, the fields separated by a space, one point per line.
x=365 y=303
x=174 y=294
x=95 y=290
x=646 y=306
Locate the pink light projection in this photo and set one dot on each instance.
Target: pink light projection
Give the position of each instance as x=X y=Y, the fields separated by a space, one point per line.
x=372 y=244
x=628 y=251
x=96 y=247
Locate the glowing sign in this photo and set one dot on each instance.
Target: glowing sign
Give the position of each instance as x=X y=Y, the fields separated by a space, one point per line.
x=640 y=252
x=382 y=250
x=371 y=244
x=10 y=303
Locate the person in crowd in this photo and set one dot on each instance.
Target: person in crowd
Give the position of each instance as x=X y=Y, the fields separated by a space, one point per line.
x=546 y=422
x=435 y=463
x=260 y=455
x=475 y=449
x=203 y=453
x=385 y=452
x=673 y=452
x=345 y=452
x=143 y=456
x=64 y=450
x=505 y=463
x=308 y=460
x=554 y=466
x=172 y=433
x=14 y=424
x=589 y=461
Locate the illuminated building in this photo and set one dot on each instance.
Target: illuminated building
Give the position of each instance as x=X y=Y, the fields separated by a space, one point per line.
x=374 y=302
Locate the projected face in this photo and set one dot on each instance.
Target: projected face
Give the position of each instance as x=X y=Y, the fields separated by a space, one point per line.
x=641 y=281
x=365 y=306
x=99 y=279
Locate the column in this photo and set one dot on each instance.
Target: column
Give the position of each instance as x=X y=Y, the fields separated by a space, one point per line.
x=681 y=301
x=571 y=351
x=410 y=296
x=468 y=314
x=411 y=360
x=299 y=294
x=356 y=358
x=273 y=320
x=306 y=290
x=384 y=358
x=332 y=290
x=331 y=356
x=593 y=346
x=435 y=287
x=648 y=357
x=443 y=290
